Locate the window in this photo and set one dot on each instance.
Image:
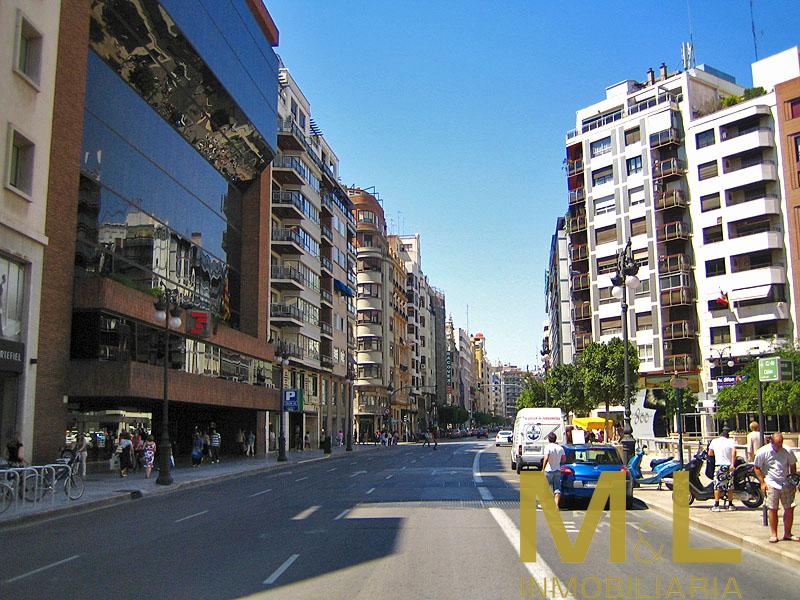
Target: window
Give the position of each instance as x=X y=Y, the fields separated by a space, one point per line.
x=636 y=197
x=28 y=59
x=644 y=287
x=634 y=165
x=707 y=170
x=294 y=108
x=366 y=344
x=632 y=136
x=605 y=296
x=302 y=121
x=367 y=216
x=644 y=321
x=638 y=226
x=605 y=235
x=797 y=148
x=369 y=290
x=672 y=282
x=721 y=335
x=715 y=267
x=705 y=138
x=794 y=108
x=20 y=163
x=604 y=175
x=611 y=326
x=604 y=205
x=712 y=234
x=640 y=257
x=600 y=147
x=606 y=265
x=646 y=353
x=709 y=202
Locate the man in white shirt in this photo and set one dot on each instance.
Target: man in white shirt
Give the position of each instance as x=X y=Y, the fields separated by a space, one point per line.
x=753 y=441
x=554 y=456
x=773 y=465
x=723 y=449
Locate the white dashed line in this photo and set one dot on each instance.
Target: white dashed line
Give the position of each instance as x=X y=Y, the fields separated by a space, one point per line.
x=40 y=569
x=301 y=479
x=485 y=493
x=341 y=515
x=305 y=513
x=389 y=476
x=260 y=493
x=357 y=473
x=191 y=516
x=370 y=490
x=280 y=570
x=331 y=470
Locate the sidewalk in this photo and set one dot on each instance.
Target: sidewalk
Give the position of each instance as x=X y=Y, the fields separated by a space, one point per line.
x=742 y=527
x=104 y=487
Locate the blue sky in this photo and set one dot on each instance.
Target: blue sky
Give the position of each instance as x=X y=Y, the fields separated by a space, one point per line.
x=456 y=112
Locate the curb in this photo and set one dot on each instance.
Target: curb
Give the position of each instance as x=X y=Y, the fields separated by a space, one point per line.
x=749 y=542
x=24 y=520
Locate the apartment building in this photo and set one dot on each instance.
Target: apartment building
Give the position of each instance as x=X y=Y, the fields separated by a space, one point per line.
x=467 y=370
x=438 y=308
x=29 y=31
x=312 y=263
x=402 y=408
x=481 y=364
x=557 y=341
x=512 y=382
x=455 y=387
x=427 y=348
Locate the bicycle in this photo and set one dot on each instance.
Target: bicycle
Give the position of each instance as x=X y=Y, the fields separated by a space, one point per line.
x=6 y=496
x=66 y=470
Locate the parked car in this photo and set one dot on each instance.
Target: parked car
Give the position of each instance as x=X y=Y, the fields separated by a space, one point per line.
x=503 y=437
x=482 y=433
x=531 y=429
x=583 y=466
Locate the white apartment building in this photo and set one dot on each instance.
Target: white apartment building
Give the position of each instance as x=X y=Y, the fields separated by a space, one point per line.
x=416 y=298
x=466 y=357
x=512 y=382
x=557 y=340
x=29 y=33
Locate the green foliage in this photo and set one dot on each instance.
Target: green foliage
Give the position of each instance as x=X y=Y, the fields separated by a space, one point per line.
x=452 y=415
x=729 y=101
x=565 y=389
x=534 y=395
x=688 y=401
x=482 y=418
x=753 y=92
x=602 y=364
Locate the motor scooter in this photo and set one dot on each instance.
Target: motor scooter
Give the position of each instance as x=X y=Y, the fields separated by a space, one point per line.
x=745 y=484
x=661 y=468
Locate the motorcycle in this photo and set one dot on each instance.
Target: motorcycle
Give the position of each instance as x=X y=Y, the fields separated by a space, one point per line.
x=745 y=484
x=662 y=469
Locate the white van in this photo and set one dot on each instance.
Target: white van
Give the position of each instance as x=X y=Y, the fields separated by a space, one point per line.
x=531 y=428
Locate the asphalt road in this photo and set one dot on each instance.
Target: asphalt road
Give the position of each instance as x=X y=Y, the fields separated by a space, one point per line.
x=403 y=522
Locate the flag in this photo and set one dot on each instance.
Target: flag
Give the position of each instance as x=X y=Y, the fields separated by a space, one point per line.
x=225 y=309
x=722 y=299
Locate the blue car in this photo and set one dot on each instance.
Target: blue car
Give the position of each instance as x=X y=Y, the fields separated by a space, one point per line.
x=584 y=464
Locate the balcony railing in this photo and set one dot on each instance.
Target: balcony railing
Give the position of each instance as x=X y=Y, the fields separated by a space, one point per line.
x=577 y=196
x=678 y=330
x=664 y=138
x=670 y=199
x=582 y=340
x=285 y=199
x=576 y=224
x=327 y=202
x=326 y=263
x=668 y=168
x=729 y=134
x=581 y=282
x=285 y=311
x=326 y=328
x=678 y=363
x=677 y=230
x=326 y=232
x=286 y=235
x=286 y=272
x=680 y=296
x=578 y=252
x=631 y=110
x=326 y=296
x=326 y=361
x=574 y=167
x=283 y=161
x=582 y=311
x=674 y=263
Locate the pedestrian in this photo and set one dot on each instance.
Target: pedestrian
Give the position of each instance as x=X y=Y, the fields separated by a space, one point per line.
x=138 y=449
x=753 y=441
x=251 y=444
x=125 y=452
x=206 y=446
x=554 y=457
x=271 y=440
x=16 y=452
x=298 y=439
x=435 y=438
x=568 y=434
x=240 y=440
x=197 y=448
x=426 y=439
x=340 y=437
x=81 y=452
x=774 y=464
x=723 y=450
x=148 y=455
x=307 y=441
x=395 y=438
x=216 y=442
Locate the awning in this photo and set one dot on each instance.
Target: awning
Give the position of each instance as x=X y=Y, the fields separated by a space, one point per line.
x=751 y=293
x=343 y=287
x=591 y=422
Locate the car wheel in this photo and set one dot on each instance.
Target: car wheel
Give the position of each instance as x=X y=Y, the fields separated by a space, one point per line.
x=514 y=466
x=519 y=467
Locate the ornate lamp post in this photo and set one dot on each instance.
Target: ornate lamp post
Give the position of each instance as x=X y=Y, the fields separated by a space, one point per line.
x=168 y=311
x=624 y=279
x=716 y=359
x=282 y=354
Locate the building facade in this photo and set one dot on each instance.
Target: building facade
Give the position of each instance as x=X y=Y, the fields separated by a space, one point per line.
x=512 y=382
x=558 y=340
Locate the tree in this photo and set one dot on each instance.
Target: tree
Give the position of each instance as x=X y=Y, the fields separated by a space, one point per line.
x=534 y=395
x=452 y=415
x=482 y=418
x=602 y=365
x=565 y=389
x=688 y=402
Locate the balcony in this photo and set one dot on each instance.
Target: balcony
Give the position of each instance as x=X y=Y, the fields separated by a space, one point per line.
x=578 y=252
x=285 y=277
x=674 y=263
x=741 y=174
x=577 y=196
x=288 y=170
x=671 y=167
x=680 y=296
x=742 y=140
x=326 y=297
x=576 y=224
x=676 y=230
x=678 y=363
x=582 y=340
x=670 y=199
x=286 y=313
x=679 y=330
x=293 y=350
x=328 y=202
x=580 y=282
x=290 y=137
x=574 y=167
x=582 y=311
x=288 y=205
x=327 y=234
x=326 y=264
x=326 y=361
x=326 y=329
x=665 y=138
x=286 y=241
x=351 y=249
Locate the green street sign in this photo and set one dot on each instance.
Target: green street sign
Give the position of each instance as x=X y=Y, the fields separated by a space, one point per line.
x=769 y=369
x=787 y=370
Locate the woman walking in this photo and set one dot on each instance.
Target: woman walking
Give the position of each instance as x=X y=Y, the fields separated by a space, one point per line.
x=197 y=449
x=125 y=451
x=81 y=452
x=149 y=455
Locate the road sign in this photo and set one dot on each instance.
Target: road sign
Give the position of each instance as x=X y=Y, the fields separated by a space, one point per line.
x=775 y=369
x=293 y=400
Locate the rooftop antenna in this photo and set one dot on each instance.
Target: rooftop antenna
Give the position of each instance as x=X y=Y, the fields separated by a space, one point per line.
x=753 y=29
x=687 y=48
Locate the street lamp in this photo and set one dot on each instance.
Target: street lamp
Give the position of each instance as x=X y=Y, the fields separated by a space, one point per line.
x=715 y=360
x=168 y=311
x=282 y=354
x=624 y=279
x=351 y=377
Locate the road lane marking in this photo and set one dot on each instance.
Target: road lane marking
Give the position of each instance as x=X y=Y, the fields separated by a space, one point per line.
x=476 y=468
x=389 y=476
x=402 y=468
x=40 y=569
x=202 y=512
x=331 y=470
x=341 y=515
x=285 y=473
x=357 y=473
x=280 y=570
x=304 y=514
x=370 y=490
x=485 y=493
x=301 y=479
x=260 y=493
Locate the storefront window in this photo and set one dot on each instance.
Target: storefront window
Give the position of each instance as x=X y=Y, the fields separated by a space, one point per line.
x=12 y=299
